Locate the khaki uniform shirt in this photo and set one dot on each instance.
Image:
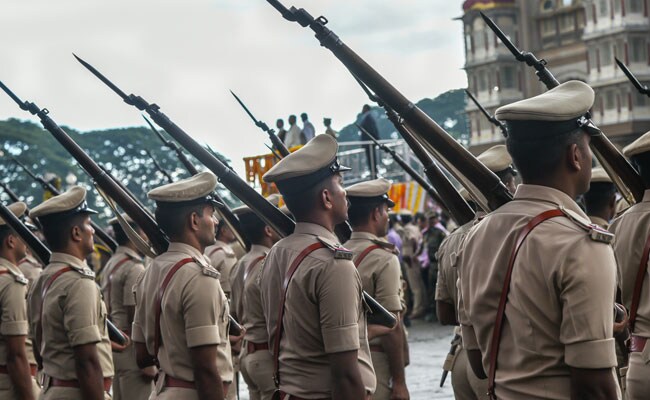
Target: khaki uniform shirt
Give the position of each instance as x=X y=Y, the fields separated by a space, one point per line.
x=380 y=270
x=13 y=308
x=73 y=314
x=117 y=284
x=30 y=267
x=324 y=312
x=599 y=221
x=632 y=230
x=194 y=312
x=447 y=256
x=559 y=310
x=223 y=259
x=252 y=312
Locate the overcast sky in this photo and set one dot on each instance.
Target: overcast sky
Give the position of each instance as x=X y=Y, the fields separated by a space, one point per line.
x=185 y=55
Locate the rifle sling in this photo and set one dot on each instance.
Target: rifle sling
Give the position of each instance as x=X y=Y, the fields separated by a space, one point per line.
x=638 y=283
x=285 y=286
x=498 y=324
x=364 y=253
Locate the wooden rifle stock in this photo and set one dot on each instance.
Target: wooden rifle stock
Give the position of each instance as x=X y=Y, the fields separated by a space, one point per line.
x=43 y=253
x=625 y=177
x=420 y=124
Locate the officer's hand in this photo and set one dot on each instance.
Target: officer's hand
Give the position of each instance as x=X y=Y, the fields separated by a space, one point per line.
x=375 y=330
x=236 y=341
x=622 y=317
x=149 y=373
x=400 y=391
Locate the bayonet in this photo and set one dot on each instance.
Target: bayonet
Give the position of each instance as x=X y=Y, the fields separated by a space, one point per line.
x=627 y=179
x=641 y=88
x=277 y=143
x=489 y=116
x=159 y=167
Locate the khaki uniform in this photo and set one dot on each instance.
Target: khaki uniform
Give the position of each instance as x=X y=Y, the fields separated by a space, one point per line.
x=324 y=312
x=223 y=259
x=13 y=308
x=72 y=314
x=553 y=320
x=411 y=243
x=465 y=383
x=31 y=269
x=632 y=230
x=256 y=364
x=380 y=274
x=194 y=313
x=120 y=276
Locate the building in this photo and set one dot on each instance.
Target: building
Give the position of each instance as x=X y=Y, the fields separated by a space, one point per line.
x=579 y=39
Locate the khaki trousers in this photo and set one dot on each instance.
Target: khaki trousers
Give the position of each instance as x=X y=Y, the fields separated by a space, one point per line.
x=382 y=373
x=128 y=382
x=465 y=383
x=7 y=392
x=234 y=387
x=65 y=393
x=257 y=370
x=416 y=285
x=638 y=375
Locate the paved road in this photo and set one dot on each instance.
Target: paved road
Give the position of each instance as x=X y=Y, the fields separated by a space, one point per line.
x=429 y=344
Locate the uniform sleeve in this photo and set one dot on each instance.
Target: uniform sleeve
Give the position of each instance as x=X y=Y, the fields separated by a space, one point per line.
x=130 y=279
x=203 y=309
x=389 y=285
x=14 y=310
x=587 y=281
x=81 y=313
x=338 y=290
x=442 y=291
x=470 y=342
x=137 y=328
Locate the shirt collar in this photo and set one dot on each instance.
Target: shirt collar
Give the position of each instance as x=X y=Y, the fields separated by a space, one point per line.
x=363 y=235
x=549 y=195
x=599 y=221
x=186 y=249
x=68 y=259
x=129 y=252
x=258 y=248
x=308 y=228
x=4 y=263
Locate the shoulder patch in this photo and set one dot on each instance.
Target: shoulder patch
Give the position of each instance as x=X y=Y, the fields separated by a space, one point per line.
x=386 y=246
x=208 y=270
x=85 y=272
x=340 y=252
x=596 y=233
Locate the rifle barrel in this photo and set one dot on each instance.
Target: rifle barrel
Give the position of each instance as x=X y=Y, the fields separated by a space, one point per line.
x=630 y=76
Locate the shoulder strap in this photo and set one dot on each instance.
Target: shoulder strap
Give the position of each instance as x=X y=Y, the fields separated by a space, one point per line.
x=498 y=324
x=638 y=283
x=251 y=265
x=364 y=253
x=157 y=341
x=110 y=281
x=46 y=288
x=283 y=298
x=215 y=250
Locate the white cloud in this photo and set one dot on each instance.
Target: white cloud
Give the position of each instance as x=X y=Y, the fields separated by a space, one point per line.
x=185 y=54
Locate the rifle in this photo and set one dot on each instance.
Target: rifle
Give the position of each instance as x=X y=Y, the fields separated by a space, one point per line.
x=43 y=254
x=159 y=167
x=222 y=208
x=14 y=198
x=453 y=201
x=626 y=178
x=277 y=143
x=489 y=116
x=99 y=232
x=641 y=88
x=270 y=214
x=419 y=123
x=99 y=175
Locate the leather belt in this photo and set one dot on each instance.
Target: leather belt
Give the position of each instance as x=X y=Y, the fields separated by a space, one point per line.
x=33 y=369
x=170 y=381
x=253 y=347
x=377 y=348
x=637 y=344
x=73 y=383
x=284 y=396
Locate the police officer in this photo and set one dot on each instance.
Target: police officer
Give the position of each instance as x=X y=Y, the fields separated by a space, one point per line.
x=411 y=244
x=379 y=268
x=222 y=257
x=119 y=276
x=316 y=320
x=600 y=200
x=256 y=362
x=67 y=313
x=554 y=334
x=181 y=316
x=16 y=373
x=632 y=230
x=466 y=385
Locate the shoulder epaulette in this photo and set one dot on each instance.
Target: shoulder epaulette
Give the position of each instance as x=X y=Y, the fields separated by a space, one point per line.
x=85 y=272
x=595 y=232
x=389 y=247
x=340 y=252
x=20 y=278
x=206 y=268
